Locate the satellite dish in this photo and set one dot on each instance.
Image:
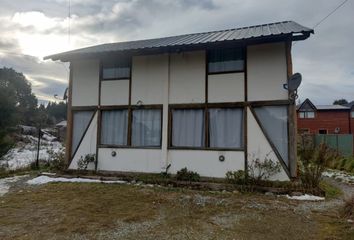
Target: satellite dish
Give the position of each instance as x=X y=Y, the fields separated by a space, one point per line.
x=293 y=82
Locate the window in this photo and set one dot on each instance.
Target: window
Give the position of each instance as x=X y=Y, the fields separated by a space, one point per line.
x=274 y=120
x=116 y=69
x=322 y=131
x=352 y=113
x=188 y=128
x=81 y=120
x=114 y=127
x=225 y=60
x=146 y=128
x=225 y=127
x=309 y=114
x=132 y=127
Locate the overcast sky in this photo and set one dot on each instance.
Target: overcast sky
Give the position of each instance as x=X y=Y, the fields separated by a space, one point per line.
x=31 y=29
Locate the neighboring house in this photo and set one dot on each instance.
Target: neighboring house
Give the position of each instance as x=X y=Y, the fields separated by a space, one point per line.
x=211 y=102
x=351 y=106
x=324 y=119
x=61 y=130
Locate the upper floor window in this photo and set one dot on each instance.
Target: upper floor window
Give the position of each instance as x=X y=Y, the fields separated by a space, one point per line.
x=352 y=114
x=309 y=114
x=225 y=60
x=116 y=69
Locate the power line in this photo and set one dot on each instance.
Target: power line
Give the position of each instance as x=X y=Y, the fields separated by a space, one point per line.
x=329 y=14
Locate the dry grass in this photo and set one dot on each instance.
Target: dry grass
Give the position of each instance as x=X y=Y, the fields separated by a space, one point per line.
x=102 y=211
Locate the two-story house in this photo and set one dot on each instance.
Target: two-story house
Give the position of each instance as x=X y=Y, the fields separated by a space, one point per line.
x=211 y=102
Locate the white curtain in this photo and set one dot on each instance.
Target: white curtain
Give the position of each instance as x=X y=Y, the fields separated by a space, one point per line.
x=81 y=120
x=225 y=127
x=274 y=120
x=146 y=127
x=188 y=128
x=114 y=127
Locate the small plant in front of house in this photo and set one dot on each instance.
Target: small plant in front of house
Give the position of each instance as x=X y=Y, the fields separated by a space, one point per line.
x=236 y=177
x=185 y=175
x=83 y=162
x=57 y=161
x=262 y=170
x=313 y=162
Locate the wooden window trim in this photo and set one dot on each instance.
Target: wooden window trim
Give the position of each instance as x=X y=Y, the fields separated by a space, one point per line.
x=243 y=48
x=206 y=108
x=129 y=134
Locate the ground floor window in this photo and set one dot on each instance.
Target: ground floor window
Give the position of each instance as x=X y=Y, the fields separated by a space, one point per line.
x=322 y=131
x=146 y=128
x=131 y=127
x=188 y=128
x=225 y=127
x=214 y=128
x=114 y=127
x=81 y=120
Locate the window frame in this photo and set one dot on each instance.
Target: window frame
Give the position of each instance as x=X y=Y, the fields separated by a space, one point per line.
x=206 y=108
x=130 y=109
x=243 y=54
x=110 y=63
x=323 y=129
x=304 y=114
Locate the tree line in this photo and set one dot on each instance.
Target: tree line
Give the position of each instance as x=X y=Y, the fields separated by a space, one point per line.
x=19 y=105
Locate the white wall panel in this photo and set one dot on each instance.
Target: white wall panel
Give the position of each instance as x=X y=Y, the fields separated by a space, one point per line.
x=115 y=92
x=226 y=87
x=148 y=76
x=87 y=146
x=130 y=160
x=187 y=83
x=266 y=72
x=206 y=163
x=259 y=147
x=85 y=82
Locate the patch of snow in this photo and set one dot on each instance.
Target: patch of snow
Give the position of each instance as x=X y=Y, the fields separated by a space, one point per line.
x=25 y=152
x=306 y=197
x=5 y=183
x=45 y=179
x=339 y=176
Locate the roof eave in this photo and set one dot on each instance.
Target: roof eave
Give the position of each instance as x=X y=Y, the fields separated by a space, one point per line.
x=69 y=56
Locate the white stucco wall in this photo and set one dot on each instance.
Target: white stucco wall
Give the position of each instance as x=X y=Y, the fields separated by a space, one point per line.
x=115 y=92
x=206 y=163
x=87 y=146
x=226 y=87
x=130 y=160
x=187 y=77
x=266 y=72
x=85 y=80
x=148 y=76
x=259 y=147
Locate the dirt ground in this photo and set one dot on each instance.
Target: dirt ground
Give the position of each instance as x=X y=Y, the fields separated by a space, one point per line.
x=119 y=211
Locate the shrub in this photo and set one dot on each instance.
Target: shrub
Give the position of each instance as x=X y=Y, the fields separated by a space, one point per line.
x=348 y=208
x=185 y=175
x=83 y=162
x=57 y=162
x=237 y=177
x=313 y=162
x=262 y=170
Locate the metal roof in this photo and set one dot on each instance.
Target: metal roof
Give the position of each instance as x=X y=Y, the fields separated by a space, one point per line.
x=331 y=107
x=259 y=33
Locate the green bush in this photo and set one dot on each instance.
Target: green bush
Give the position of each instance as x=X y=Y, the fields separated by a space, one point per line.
x=313 y=161
x=236 y=177
x=57 y=162
x=185 y=175
x=262 y=170
x=83 y=162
